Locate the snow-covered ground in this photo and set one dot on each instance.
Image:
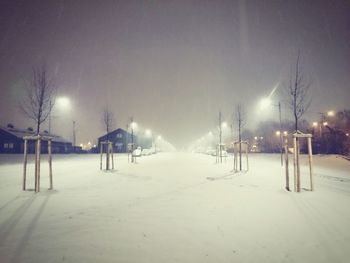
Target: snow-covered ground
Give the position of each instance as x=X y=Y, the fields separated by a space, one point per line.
x=174 y=207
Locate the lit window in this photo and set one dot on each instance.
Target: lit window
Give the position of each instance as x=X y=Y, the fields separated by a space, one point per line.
x=119 y=135
x=11 y=145
x=6 y=145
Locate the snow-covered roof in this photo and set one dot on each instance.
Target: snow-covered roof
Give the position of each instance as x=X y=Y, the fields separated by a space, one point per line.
x=20 y=133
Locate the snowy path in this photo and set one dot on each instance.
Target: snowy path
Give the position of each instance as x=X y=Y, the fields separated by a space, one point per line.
x=174 y=207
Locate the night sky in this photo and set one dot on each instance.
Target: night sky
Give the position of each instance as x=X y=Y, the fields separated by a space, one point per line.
x=171 y=64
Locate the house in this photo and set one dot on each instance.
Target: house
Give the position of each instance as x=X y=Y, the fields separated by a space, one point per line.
x=11 y=141
x=121 y=139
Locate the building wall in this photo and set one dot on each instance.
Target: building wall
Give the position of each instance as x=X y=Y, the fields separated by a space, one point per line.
x=119 y=138
x=12 y=144
x=9 y=143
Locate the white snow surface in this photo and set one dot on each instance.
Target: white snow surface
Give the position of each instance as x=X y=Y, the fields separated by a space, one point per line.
x=174 y=207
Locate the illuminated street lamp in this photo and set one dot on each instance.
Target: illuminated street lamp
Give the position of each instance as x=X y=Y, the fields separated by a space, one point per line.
x=278 y=133
x=315 y=124
x=62 y=103
x=148 y=133
x=330 y=113
x=264 y=104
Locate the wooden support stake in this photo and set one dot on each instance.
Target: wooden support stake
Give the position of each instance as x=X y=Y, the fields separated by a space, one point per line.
x=107 y=156
x=234 y=159
x=112 y=158
x=49 y=150
x=295 y=162
x=298 y=165
x=310 y=163
x=286 y=163
x=25 y=165
x=101 y=155
x=246 y=154
x=38 y=166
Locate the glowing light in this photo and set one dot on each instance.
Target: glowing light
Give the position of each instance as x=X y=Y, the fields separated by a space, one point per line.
x=314 y=124
x=285 y=133
x=255 y=138
x=330 y=113
x=278 y=133
x=63 y=102
x=265 y=103
x=325 y=123
x=148 y=132
x=133 y=125
x=224 y=125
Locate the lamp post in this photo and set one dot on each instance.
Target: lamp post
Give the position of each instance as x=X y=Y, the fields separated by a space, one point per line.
x=265 y=102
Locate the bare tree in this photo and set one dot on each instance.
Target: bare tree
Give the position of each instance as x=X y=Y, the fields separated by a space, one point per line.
x=40 y=97
x=108 y=123
x=298 y=93
x=240 y=125
x=108 y=120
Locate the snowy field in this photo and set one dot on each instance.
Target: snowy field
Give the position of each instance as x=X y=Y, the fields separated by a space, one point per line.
x=174 y=207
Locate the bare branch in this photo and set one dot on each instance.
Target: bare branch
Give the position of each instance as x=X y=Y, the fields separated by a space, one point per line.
x=39 y=98
x=298 y=93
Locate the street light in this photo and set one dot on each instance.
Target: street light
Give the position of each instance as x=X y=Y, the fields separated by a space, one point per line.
x=148 y=133
x=264 y=104
x=330 y=113
x=62 y=103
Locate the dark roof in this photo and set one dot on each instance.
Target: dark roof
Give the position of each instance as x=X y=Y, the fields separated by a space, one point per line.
x=116 y=131
x=20 y=133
